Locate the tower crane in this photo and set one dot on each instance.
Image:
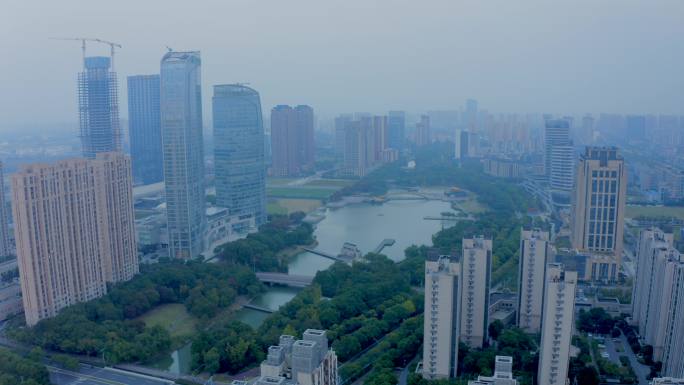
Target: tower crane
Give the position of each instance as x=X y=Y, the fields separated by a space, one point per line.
x=83 y=41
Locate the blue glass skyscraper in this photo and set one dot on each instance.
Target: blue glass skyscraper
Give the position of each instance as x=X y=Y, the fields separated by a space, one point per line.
x=144 y=129
x=239 y=151
x=98 y=107
x=181 y=125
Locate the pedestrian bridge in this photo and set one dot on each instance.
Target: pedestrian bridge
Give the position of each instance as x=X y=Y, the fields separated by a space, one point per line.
x=285 y=279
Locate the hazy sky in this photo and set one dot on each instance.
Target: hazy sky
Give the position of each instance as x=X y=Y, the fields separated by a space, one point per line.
x=360 y=55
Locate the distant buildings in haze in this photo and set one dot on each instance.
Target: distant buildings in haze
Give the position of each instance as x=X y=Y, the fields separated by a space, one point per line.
x=292 y=140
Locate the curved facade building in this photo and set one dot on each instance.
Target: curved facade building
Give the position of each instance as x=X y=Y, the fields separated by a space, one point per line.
x=240 y=172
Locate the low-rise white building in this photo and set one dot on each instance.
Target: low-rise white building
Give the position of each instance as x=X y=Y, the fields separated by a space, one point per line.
x=503 y=373
x=308 y=361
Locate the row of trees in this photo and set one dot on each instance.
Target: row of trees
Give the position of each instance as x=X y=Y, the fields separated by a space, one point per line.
x=110 y=325
x=17 y=370
x=395 y=350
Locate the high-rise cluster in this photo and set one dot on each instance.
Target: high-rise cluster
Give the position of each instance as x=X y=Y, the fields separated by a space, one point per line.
x=364 y=143
x=456 y=305
x=74 y=231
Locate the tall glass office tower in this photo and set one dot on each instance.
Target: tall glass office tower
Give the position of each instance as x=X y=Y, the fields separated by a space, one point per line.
x=239 y=151
x=98 y=107
x=181 y=126
x=144 y=129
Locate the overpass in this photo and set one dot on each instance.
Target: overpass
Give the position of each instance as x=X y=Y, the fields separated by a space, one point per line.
x=285 y=279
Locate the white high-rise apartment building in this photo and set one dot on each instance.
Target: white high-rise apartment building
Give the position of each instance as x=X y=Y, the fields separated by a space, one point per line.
x=673 y=350
x=599 y=211
x=535 y=252
x=557 y=325
x=476 y=266
x=74 y=229
x=5 y=247
x=658 y=265
x=441 y=326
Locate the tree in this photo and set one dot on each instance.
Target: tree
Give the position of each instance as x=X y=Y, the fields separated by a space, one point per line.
x=212 y=360
x=615 y=333
x=495 y=329
x=383 y=376
x=588 y=376
x=36 y=354
x=647 y=352
x=346 y=347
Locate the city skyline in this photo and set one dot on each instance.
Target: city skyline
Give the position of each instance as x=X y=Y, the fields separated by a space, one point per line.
x=588 y=85
x=312 y=182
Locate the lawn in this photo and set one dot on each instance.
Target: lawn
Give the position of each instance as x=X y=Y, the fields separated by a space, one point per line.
x=298 y=192
x=173 y=317
x=288 y=206
x=330 y=183
x=274 y=208
x=471 y=205
x=279 y=181
x=655 y=211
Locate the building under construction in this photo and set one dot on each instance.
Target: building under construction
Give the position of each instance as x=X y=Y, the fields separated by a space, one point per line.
x=98 y=102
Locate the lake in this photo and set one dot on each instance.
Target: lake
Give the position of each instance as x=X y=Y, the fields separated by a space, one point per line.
x=364 y=224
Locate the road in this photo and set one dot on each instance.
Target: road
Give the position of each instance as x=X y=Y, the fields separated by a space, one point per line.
x=641 y=371
x=88 y=375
